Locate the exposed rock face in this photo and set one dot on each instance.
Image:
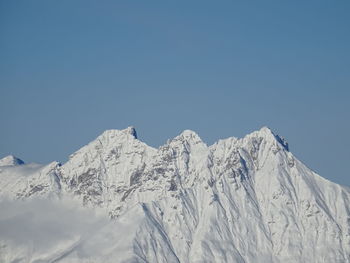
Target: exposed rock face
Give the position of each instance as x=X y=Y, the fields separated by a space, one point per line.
x=239 y=200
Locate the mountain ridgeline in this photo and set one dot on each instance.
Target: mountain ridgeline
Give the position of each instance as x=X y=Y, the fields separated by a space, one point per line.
x=238 y=200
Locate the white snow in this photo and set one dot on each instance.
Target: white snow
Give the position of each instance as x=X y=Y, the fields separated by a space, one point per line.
x=238 y=200
x=10 y=160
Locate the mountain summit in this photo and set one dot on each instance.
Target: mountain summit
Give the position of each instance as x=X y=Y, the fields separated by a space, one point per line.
x=10 y=160
x=239 y=200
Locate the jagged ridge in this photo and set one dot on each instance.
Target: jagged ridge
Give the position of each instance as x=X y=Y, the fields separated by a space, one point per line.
x=238 y=200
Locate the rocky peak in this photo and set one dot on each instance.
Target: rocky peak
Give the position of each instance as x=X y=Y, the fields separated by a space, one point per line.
x=132 y=131
x=197 y=203
x=128 y=133
x=268 y=136
x=10 y=160
x=187 y=137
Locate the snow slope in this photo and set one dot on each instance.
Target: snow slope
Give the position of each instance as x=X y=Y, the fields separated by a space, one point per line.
x=238 y=200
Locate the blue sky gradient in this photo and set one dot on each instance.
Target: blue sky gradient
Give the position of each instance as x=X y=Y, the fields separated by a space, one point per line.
x=71 y=69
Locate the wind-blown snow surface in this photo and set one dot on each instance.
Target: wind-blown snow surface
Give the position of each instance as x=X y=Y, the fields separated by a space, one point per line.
x=239 y=200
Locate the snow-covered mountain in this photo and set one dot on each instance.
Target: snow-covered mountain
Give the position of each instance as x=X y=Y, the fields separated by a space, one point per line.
x=238 y=200
x=10 y=160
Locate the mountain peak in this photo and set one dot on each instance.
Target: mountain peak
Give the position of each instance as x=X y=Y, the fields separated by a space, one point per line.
x=269 y=135
x=10 y=160
x=114 y=132
x=266 y=129
x=108 y=139
x=177 y=203
x=132 y=131
x=188 y=135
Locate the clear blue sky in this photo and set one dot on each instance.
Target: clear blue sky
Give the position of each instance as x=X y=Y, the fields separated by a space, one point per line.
x=72 y=69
